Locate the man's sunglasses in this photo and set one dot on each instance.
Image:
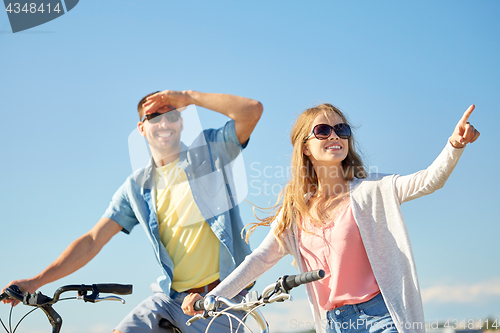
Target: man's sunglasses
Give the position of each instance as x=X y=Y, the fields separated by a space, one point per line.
x=153 y=118
x=323 y=131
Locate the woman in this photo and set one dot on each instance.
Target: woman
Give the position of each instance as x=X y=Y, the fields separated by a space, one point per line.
x=335 y=217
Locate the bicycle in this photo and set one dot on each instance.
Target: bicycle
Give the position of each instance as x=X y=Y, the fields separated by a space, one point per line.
x=276 y=292
x=43 y=302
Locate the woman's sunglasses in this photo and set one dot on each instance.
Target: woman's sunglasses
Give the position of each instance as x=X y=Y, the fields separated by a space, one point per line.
x=323 y=131
x=153 y=118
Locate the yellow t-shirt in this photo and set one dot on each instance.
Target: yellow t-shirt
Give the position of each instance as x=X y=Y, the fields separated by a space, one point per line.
x=186 y=235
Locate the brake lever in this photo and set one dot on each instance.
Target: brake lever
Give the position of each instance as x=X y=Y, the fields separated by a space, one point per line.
x=280 y=298
x=193 y=319
x=206 y=314
x=100 y=299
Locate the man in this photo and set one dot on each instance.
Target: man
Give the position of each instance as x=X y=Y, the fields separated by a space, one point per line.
x=185 y=201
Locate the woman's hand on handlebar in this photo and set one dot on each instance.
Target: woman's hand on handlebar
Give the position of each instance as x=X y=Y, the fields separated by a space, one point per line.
x=187 y=304
x=26 y=285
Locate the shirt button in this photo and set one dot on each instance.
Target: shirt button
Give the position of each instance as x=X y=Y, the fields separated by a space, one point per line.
x=337 y=312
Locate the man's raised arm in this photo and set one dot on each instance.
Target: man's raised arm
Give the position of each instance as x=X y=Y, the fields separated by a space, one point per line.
x=244 y=111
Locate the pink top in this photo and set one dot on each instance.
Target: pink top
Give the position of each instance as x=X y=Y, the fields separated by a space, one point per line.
x=337 y=248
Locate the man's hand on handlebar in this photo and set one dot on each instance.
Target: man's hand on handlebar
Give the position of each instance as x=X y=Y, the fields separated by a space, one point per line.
x=187 y=304
x=26 y=285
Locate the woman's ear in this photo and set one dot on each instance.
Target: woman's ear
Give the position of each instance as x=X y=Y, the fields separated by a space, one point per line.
x=305 y=150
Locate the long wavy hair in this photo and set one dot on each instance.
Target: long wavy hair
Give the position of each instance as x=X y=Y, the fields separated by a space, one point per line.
x=292 y=200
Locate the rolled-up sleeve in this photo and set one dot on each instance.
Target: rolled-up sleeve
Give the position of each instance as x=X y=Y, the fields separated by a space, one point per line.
x=227 y=133
x=120 y=210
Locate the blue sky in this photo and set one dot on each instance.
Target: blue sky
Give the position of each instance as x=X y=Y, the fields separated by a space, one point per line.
x=404 y=72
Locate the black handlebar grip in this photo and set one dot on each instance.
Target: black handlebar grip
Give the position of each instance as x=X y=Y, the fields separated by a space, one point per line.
x=14 y=292
x=199 y=305
x=114 y=288
x=293 y=281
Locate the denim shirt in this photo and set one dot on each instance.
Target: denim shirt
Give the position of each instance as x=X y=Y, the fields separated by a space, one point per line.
x=211 y=168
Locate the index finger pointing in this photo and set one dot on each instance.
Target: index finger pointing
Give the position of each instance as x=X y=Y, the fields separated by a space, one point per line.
x=467 y=113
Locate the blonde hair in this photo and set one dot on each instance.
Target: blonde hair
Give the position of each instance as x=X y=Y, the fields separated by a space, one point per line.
x=292 y=200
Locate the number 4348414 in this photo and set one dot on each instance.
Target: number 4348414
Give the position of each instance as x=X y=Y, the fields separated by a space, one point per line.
x=31 y=8
x=471 y=324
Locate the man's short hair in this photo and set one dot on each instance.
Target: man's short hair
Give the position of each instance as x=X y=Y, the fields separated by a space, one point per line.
x=140 y=109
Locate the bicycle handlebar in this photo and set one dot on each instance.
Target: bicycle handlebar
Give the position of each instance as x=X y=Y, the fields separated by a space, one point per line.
x=276 y=292
x=199 y=305
x=115 y=288
x=285 y=284
x=12 y=292
x=82 y=289
x=108 y=288
x=45 y=303
x=292 y=281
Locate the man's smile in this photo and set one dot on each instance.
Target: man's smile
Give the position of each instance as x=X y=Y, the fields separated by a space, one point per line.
x=164 y=134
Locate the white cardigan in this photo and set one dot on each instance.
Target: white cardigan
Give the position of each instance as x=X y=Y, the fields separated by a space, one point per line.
x=376 y=202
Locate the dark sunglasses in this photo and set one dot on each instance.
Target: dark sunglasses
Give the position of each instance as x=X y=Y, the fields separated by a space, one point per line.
x=153 y=118
x=323 y=131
